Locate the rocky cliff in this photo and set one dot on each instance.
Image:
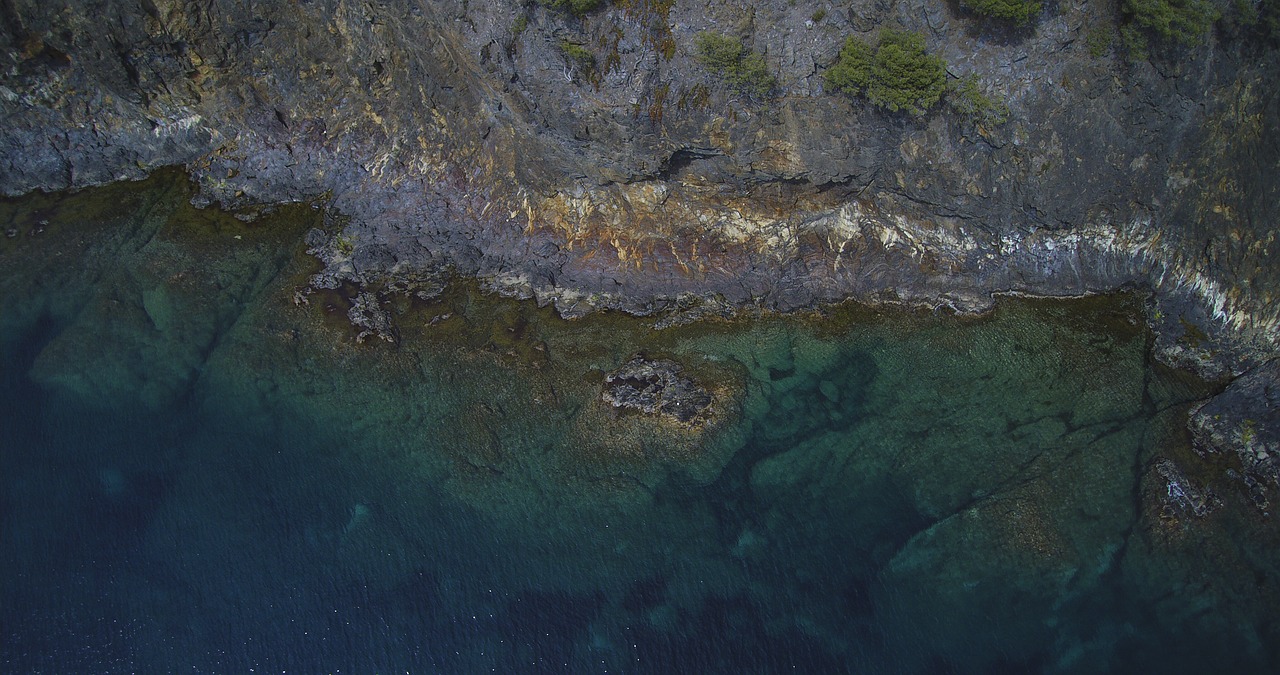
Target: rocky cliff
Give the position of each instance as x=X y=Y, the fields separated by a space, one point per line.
x=590 y=160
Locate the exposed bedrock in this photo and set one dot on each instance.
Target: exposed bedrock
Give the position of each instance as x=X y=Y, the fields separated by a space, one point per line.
x=467 y=137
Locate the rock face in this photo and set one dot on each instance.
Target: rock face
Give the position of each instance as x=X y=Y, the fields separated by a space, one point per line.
x=655 y=387
x=471 y=137
x=1245 y=420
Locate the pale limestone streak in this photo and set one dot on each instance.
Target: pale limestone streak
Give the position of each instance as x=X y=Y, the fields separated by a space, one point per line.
x=166 y=128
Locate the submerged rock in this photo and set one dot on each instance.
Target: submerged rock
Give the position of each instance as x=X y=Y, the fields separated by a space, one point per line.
x=1182 y=495
x=367 y=314
x=656 y=387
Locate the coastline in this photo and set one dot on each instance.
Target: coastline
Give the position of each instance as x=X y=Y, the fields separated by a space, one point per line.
x=438 y=140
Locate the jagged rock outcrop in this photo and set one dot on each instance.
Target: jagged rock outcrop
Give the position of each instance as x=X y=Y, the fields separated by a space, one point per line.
x=655 y=387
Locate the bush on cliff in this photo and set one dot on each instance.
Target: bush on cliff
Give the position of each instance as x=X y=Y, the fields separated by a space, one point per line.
x=574 y=7
x=967 y=98
x=1018 y=11
x=727 y=57
x=578 y=57
x=896 y=73
x=1183 y=21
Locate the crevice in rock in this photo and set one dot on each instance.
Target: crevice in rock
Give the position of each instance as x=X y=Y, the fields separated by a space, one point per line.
x=678 y=162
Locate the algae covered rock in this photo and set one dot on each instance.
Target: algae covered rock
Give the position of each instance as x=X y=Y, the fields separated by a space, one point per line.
x=656 y=387
x=367 y=314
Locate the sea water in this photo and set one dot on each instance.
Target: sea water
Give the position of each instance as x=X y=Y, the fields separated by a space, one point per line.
x=202 y=469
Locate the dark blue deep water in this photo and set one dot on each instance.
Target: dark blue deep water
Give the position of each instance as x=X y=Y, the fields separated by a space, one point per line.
x=201 y=471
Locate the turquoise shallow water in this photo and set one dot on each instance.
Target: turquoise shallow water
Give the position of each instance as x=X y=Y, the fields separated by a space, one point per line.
x=198 y=473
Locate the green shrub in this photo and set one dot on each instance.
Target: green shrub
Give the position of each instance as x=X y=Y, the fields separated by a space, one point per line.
x=574 y=7
x=1183 y=21
x=1018 y=11
x=718 y=52
x=1098 y=40
x=1246 y=14
x=968 y=99
x=752 y=76
x=578 y=56
x=896 y=74
x=1135 y=43
x=727 y=57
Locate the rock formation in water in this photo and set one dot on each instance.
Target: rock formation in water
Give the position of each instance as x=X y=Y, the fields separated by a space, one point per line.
x=655 y=155
x=655 y=387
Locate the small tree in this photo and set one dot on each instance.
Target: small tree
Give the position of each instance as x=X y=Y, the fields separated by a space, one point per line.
x=896 y=74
